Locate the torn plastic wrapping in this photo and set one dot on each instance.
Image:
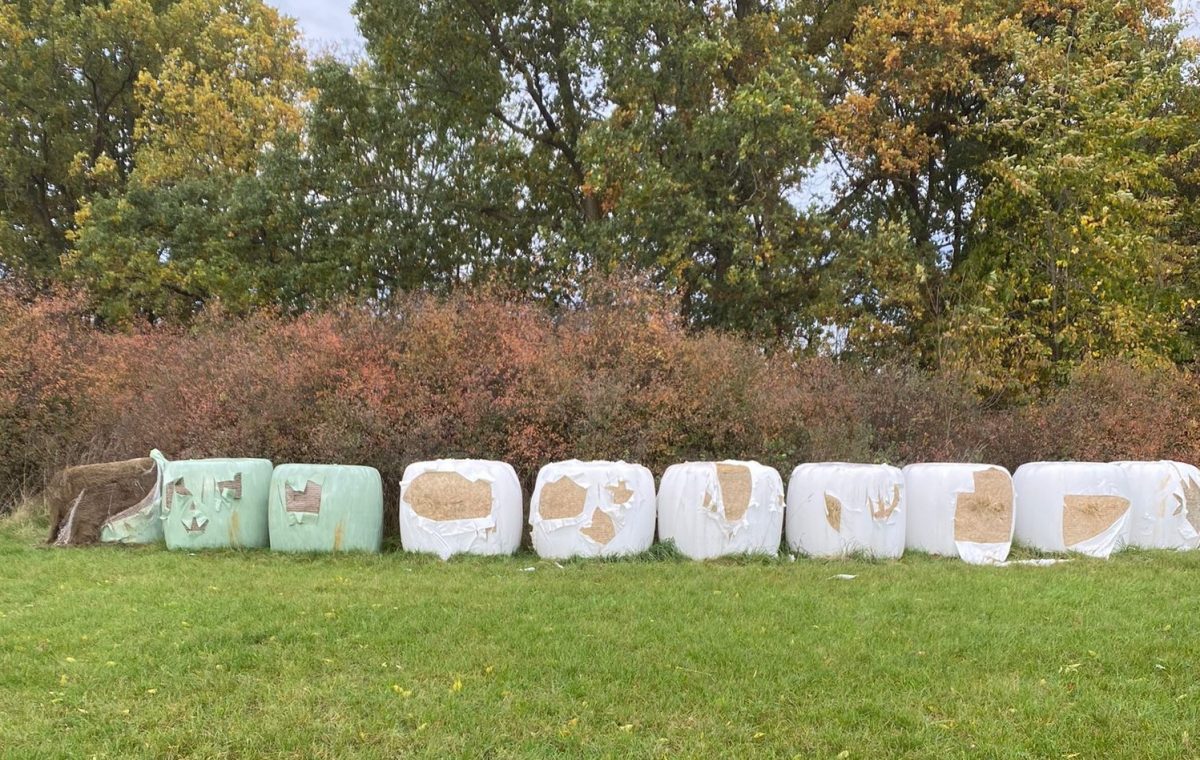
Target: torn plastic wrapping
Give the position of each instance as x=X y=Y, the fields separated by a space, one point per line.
x=960 y=510
x=214 y=503
x=326 y=508
x=714 y=509
x=1164 y=504
x=837 y=508
x=592 y=509
x=460 y=506
x=1072 y=506
x=140 y=524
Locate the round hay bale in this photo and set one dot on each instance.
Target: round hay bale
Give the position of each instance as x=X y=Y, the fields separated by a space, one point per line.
x=838 y=508
x=460 y=506
x=715 y=509
x=592 y=509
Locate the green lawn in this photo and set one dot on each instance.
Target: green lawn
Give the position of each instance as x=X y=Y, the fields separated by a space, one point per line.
x=115 y=652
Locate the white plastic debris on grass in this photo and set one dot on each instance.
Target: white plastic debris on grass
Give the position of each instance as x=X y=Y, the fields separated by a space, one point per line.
x=960 y=510
x=592 y=509
x=714 y=509
x=835 y=508
x=1046 y=562
x=1072 y=506
x=1164 y=504
x=460 y=506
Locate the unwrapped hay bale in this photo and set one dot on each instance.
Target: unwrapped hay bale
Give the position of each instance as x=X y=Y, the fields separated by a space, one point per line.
x=460 y=506
x=960 y=510
x=715 y=509
x=113 y=502
x=592 y=509
x=1072 y=506
x=837 y=508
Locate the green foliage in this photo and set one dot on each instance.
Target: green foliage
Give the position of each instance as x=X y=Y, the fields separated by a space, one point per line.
x=95 y=96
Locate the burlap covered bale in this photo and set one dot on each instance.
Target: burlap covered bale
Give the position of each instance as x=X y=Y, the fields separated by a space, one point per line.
x=82 y=499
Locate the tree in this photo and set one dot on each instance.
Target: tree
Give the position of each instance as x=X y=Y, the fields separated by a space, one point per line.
x=1075 y=254
x=667 y=136
x=204 y=207
x=1026 y=151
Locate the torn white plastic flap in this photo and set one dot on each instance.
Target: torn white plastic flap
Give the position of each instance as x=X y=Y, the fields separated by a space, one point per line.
x=460 y=506
x=713 y=509
x=592 y=509
x=963 y=510
x=1072 y=506
x=837 y=508
x=1164 y=504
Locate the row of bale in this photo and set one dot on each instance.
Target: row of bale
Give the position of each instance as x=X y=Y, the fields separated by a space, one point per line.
x=605 y=509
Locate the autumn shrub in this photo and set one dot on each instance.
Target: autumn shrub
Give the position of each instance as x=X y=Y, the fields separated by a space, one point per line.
x=484 y=375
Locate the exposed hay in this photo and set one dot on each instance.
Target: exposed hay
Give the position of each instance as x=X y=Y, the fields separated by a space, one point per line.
x=1191 y=501
x=173 y=489
x=307 y=500
x=449 y=496
x=621 y=493
x=601 y=529
x=833 y=512
x=882 y=509
x=82 y=499
x=736 y=485
x=233 y=486
x=1087 y=516
x=984 y=516
x=561 y=499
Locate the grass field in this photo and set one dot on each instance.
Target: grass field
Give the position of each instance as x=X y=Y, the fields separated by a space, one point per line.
x=115 y=652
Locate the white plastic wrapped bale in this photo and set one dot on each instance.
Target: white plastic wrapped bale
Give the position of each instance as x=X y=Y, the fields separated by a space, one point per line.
x=835 y=508
x=1072 y=506
x=592 y=509
x=959 y=510
x=715 y=509
x=1164 y=504
x=460 y=506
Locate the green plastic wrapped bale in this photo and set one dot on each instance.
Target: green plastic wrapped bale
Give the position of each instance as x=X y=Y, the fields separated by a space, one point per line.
x=215 y=503
x=140 y=524
x=326 y=507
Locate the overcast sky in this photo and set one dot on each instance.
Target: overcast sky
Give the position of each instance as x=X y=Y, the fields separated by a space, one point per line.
x=328 y=23
x=324 y=23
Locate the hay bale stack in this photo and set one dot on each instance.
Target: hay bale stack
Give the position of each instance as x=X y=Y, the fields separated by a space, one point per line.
x=113 y=502
x=326 y=508
x=592 y=509
x=715 y=509
x=1164 y=504
x=460 y=506
x=1072 y=506
x=960 y=510
x=837 y=508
